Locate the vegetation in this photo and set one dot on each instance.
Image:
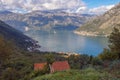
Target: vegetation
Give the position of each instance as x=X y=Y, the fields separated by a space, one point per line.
x=85 y=74
x=79 y=61
x=6 y=49
x=111 y=56
x=113 y=53
x=114 y=40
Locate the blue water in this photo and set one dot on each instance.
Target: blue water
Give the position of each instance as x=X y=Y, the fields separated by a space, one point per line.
x=67 y=41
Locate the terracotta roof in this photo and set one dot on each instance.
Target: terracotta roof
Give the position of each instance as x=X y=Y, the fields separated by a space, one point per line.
x=60 y=66
x=39 y=66
x=56 y=66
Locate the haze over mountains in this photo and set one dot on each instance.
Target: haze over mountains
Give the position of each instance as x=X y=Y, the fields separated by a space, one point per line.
x=101 y=25
x=44 y=20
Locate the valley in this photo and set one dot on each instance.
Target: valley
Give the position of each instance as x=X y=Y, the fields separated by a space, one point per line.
x=59 y=40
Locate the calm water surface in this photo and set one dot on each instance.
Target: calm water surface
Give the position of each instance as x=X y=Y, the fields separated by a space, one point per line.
x=67 y=41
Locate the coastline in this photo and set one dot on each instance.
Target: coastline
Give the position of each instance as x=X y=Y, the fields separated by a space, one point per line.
x=91 y=34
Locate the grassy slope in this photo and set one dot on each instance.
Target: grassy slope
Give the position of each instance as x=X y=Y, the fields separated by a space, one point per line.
x=87 y=74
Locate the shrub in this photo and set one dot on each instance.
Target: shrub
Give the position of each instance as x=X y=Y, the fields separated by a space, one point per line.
x=96 y=61
x=79 y=61
x=10 y=74
x=107 y=55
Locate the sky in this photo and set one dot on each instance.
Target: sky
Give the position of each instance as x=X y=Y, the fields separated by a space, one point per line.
x=76 y=6
x=98 y=3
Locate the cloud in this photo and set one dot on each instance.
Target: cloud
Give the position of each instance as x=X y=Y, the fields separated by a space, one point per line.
x=77 y=6
x=30 y=5
x=81 y=9
x=101 y=9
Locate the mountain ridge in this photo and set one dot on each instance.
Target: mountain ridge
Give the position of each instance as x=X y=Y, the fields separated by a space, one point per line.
x=45 y=20
x=101 y=25
x=20 y=40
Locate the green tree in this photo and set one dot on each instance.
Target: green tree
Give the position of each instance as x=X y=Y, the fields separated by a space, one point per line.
x=79 y=61
x=96 y=61
x=50 y=58
x=3 y=49
x=107 y=55
x=7 y=48
x=113 y=52
x=114 y=40
x=10 y=74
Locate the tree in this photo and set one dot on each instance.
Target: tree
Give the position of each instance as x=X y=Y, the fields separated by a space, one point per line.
x=6 y=49
x=79 y=61
x=114 y=40
x=49 y=59
x=113 y=52
x=10 y=74
x=107 y=55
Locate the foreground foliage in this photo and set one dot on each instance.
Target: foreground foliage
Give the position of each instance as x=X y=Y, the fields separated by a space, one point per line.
x=86 y=74
x=113 y=53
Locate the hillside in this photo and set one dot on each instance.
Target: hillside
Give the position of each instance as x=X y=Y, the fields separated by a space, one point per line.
x=101 y=25
x=87 y=74
x=18 y=37
x=44 y=20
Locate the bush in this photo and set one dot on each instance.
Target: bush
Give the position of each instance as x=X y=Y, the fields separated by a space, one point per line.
x=107 y=55
x=96 y=61
x=36 y=73
x=115 y=64
x=10 y=74
x=79 y=61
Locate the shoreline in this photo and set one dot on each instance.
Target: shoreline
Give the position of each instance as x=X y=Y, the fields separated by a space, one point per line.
x=90 y=34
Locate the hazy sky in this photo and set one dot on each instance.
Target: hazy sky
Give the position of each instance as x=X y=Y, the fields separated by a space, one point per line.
x=81 y=6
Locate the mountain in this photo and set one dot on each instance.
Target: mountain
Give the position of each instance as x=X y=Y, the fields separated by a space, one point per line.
x=10 y=18
x=17 y=37
x=101 y=25
x=45 y=20
x=5 y=12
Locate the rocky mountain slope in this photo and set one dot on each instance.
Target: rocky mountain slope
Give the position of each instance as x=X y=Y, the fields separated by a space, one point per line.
x=17 y=37
x=44 y=20
x=101 y=25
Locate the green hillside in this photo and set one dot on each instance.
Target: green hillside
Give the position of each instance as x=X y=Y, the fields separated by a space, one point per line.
x=101 y=25
x=87 y=74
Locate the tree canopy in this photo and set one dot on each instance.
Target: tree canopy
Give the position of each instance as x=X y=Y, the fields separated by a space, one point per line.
x=113 y=52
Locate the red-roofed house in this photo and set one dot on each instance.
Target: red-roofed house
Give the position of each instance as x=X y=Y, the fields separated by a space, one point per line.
x=56 y=66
